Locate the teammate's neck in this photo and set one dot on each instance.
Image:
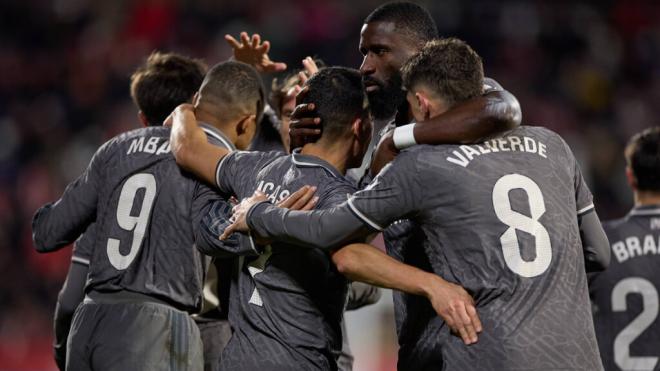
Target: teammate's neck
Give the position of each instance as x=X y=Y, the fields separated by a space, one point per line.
x=203 y=116
x=645 y=198
x=336 y=155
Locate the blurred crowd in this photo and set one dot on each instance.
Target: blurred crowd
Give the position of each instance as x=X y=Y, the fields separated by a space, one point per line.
x=588 y=70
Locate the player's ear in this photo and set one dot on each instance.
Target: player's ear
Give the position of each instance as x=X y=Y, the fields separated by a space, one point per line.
x=423 y=105
x=246 y=124
x=631 y=178
x=143 y=119
x=359 y=128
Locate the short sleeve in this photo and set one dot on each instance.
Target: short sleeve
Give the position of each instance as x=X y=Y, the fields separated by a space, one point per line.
x=395 y=193
x=235 y=173
x=584 y=200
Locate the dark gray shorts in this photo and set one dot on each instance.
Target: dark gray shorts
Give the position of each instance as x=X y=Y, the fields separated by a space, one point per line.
x=133 y=336
x=215 y=336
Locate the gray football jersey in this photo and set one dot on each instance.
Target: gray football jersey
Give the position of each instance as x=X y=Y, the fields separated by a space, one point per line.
x=625 y=296
x=500 y=219
x=288 y=306
x=146 y=212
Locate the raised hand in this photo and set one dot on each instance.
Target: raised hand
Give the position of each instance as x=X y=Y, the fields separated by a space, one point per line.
x=253 y=51
x=309 y=68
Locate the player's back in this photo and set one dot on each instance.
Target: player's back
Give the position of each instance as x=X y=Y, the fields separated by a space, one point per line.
x=145 y=241
x=625 y=296
x=290 y=299
x=501 y=219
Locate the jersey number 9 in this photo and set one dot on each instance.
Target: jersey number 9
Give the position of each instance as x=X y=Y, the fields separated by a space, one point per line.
x=136 y=224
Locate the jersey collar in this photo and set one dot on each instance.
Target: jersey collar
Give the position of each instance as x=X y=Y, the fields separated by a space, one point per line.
x=217 y=135
x=301 y=160
x=645 y=210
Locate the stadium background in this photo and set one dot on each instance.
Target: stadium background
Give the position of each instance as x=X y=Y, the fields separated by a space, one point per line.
x=588 y=70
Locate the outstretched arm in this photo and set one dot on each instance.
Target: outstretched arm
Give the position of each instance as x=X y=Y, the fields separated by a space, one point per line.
x=190 y=147
x=392 y=195
x=362 y=262
x=59 y=223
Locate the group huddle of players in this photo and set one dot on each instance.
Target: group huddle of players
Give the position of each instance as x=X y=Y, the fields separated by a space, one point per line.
x=232 y=231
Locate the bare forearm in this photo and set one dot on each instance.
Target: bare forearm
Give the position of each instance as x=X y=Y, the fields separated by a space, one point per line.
x=472 y=121
x=365 y=263
x=190 y=147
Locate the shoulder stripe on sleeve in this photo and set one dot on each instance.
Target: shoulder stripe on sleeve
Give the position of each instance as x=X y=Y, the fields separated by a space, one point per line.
x=585 y=210
x=217 y=170
x=363 y=217
x=80 y=260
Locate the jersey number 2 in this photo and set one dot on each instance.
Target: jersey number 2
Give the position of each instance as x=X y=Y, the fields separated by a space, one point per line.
x=517 y=221
x=622 y=341
x=136 y=224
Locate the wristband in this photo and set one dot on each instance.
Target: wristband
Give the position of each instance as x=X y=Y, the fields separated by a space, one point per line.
x=404 y=136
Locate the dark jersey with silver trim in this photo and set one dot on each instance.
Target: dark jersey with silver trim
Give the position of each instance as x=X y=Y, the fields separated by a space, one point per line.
x=290 y=300
x=625 y=296
x=146 y=212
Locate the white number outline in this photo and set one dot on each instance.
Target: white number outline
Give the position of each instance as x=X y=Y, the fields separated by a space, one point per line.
x=136 y=224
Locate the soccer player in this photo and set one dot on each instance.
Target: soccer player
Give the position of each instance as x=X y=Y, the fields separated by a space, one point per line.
x=510 y=219
x=390 y=35
x=625 y=296
x=146 y=276
x=291 y=300
x=163 y=82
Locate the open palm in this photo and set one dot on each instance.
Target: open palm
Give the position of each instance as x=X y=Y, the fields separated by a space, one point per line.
x=253 y=51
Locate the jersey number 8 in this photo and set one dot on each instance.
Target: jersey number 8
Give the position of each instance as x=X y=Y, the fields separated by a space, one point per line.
x=517 y=221
x=136 y=224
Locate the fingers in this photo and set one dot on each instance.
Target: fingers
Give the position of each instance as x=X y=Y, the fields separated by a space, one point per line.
x=245 y=39
x=228 y=231
x=305 y=123
x=303 y=92
x=303 y=109
x=279 y=66
x=293 y=91
x=256 y=40
x=264 y=48
x=303 y=132
x=311 y=204
x=310 y=66
x=468 y=327
x=289 y=201
x=474 y=317
x=232 y=42
x=304 y=199
x=464 y=335
x=302 y=77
